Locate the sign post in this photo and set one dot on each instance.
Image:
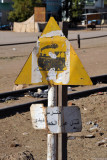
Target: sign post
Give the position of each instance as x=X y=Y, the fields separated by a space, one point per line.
x=62 y=138
x=62 y=101
x=53 y=62
x=52 y=138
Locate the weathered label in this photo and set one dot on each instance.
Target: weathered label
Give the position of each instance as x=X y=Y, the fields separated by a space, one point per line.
x=64 y=120
x=38 y=116
x=71 y=119
x=56 y=119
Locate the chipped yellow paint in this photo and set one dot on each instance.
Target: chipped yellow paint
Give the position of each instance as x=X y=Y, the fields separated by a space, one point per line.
x=77 y=72
x=55 y=62
x=24 y=76
x=45 y=54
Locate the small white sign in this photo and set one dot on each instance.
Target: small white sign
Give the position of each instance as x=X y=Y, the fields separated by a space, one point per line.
x=38 y=116
x=56 y=119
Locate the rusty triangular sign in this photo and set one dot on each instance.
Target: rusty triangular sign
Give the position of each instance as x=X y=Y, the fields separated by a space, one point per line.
x=53 y=61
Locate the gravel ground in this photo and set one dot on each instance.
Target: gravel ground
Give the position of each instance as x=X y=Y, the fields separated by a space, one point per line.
x=17 y=134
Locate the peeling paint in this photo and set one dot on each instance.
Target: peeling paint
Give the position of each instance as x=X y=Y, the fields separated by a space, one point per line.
x=36 y=75
x=52 y=55
x=64 y=77
x=53 y=33
x=52 y=95
x=51 y=74
x=53 y=61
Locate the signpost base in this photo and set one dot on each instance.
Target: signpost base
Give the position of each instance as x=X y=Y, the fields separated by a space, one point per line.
x=51 y=147
x=52 y=138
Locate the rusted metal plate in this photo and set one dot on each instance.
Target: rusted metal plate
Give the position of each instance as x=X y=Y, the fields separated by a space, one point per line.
x=53 y=61
x=38 y=116
x=71 y=119
x=56 y=119
x=40 y=14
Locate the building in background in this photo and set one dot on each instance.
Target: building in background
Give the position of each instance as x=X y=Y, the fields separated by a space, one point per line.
x=5 y=8
x=96 y=6
x=92 y=6
x=53 y=8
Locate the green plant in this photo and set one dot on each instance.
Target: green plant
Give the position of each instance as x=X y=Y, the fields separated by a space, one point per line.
x=74 y=9
x=22 y=10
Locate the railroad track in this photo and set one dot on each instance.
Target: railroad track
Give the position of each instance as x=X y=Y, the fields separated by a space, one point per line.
x=95 y=80
x=11 y=110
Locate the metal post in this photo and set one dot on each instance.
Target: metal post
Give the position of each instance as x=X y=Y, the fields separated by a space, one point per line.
x=86 y=22
x=62 y=138
x=51 y=147
x=52 y=138
x=34 y=20
x=78 y=37
x=65 y=28
x=62 y=101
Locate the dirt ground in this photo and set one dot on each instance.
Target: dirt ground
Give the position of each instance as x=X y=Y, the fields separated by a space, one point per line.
x=16 y=132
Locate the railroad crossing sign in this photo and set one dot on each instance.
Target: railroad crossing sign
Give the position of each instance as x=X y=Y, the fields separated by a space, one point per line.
x=53 y=61
x=56 y=119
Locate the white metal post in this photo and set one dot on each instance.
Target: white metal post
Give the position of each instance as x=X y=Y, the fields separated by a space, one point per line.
x=51 y=147
x=51 y=138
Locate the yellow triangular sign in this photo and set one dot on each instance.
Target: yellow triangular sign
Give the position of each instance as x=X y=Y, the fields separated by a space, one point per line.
x=53 y=62
x=24 y=76
x=51 y=26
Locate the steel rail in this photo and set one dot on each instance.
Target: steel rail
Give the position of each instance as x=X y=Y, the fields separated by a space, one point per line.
x=19 y=43
x=11 y=110
x=86 y=93
x=95 y=80
x=88 y=38
x=98 y=79
x=21 y=92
